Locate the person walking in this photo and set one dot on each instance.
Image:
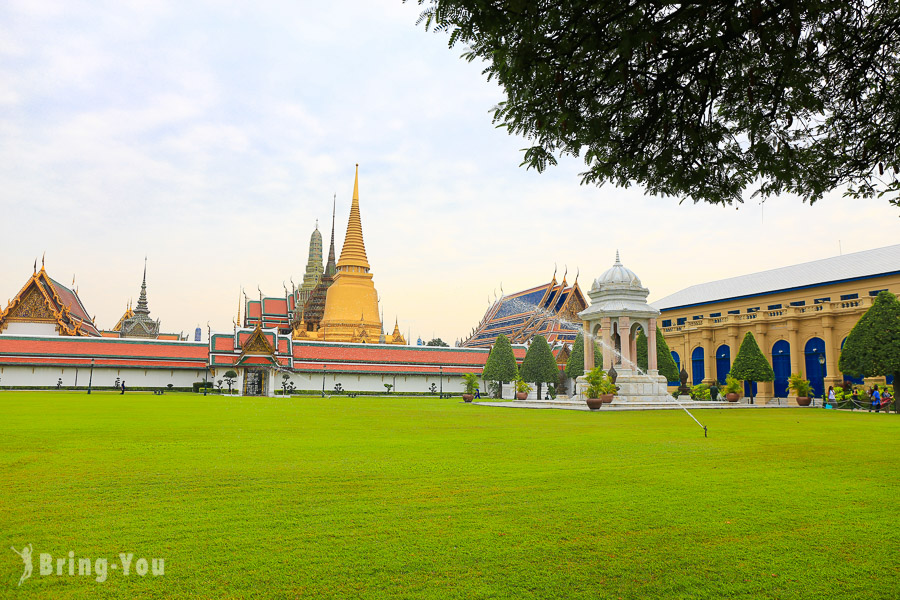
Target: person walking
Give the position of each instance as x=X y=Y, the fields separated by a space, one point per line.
x=123 y=387
x=855 y=398
x=886 y=397
x=876 y=399
x=831 y=397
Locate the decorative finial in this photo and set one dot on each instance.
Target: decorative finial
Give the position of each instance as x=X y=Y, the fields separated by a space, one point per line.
x=35 y=266
x=618 y=262
x=42 y=259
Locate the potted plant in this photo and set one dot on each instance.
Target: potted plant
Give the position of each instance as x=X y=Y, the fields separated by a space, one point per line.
x=801 y=387
x=600 y=390
x=732 y=389
x=470 y=381
x=522 y=389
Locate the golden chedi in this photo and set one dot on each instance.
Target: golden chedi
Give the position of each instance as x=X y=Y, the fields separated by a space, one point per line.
x=351 y=306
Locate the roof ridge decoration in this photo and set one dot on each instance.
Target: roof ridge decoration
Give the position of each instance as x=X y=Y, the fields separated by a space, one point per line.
x=353 y=253
x=38 y=300
x=257 y=343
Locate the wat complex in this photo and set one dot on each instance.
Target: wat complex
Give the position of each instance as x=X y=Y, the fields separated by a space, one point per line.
x=327 y=333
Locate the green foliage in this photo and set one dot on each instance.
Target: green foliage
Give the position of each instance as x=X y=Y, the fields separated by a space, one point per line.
x=388 y=387
x=522 y=386
x=470 y=382
x=599 y=383
x=732 y=385
x=575 y=364
x=437 y=342
x=873 y=345
x=750 y=364
x=501 y=362
x=695 y=100
x=700 y=392
x=539 y=365
x=664 y=361
x=800 y=386
x=198 y=386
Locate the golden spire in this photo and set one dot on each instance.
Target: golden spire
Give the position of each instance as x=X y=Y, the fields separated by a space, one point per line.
x=353 y=254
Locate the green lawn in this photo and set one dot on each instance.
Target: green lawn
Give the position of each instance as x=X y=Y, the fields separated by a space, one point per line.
x=427 y=498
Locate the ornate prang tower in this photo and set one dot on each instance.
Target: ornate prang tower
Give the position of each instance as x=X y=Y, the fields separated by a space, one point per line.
x=314 y=268
x=140 y=325
x=351 y=306
x=308 y=317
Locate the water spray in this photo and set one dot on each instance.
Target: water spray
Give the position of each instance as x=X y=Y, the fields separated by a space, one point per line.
x=579 y=327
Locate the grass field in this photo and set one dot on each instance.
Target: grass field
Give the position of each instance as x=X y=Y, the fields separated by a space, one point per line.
x=428 y=498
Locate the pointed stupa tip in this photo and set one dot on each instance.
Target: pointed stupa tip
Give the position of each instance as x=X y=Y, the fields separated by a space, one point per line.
x=618 y=262
x=353 y=254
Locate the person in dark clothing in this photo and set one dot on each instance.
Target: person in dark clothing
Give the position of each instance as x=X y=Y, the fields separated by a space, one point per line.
x=876 y=399
x=123 y=387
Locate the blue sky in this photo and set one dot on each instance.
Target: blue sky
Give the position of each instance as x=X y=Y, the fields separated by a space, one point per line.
x=211 y=140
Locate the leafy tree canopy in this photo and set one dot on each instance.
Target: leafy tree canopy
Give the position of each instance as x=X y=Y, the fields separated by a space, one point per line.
x=539 y=365
x=665 y=364
x=696 y=100
x=750 y=364
x=437 y=342
x=873 y=346
x=575 y=364
x=501 y=362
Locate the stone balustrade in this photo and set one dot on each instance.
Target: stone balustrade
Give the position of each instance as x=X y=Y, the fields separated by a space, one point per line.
x=857 y=305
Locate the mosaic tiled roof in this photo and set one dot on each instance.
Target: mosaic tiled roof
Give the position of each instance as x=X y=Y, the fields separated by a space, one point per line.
x=43 y=299
x=549 y=310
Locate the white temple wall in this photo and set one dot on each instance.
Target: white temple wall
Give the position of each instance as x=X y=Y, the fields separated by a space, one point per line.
x=18 y=328
x=27 y=376
x=352 y=382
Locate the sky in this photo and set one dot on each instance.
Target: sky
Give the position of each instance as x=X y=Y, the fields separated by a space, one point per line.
x=211 y=140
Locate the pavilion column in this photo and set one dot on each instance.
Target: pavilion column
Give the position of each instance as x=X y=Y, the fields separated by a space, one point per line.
x=607 y=343
x=588 y=346
x=625 y=336
x=651 y=346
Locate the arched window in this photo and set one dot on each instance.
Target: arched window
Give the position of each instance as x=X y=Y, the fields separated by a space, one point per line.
x=677 y=360
x=815 y=365
x=781 y=364
x=697 y=366
x=723 y=362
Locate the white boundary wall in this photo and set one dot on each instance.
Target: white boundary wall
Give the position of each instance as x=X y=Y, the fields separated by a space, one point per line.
x=28 y=376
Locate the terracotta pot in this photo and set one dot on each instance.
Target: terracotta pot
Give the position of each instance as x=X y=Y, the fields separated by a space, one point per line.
x=521 y=395
x=468 y=397
x=803 y=400
x=732 y=397
x=606 y=398
x=594 y=403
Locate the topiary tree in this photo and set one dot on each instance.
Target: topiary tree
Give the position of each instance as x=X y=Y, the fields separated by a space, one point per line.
x=539 y=365
x=230 y=378
x=665 y=364
x=873 y=347
x=750 y=364
x=501 y=363
x=575 y=364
